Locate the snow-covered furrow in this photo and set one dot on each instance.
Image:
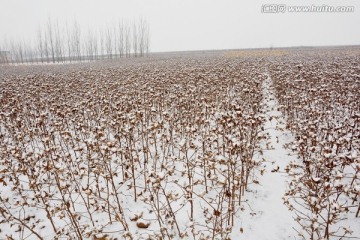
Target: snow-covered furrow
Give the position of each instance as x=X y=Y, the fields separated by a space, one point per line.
x=266 y=216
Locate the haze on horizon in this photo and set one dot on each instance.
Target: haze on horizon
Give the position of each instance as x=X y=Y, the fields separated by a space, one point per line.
x=181 y=25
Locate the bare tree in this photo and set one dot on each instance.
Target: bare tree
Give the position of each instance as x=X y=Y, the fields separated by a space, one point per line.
x=88 y=45
x=95 y=45
x=50 y=37
x=76 y=41
x=108 y=43
x=127 y=40
x=102 y=43
x=13 y=52
x=20 y=52
x=28 y=51
x=32 y=54
x=147 y=38
x=143 y=36
x=58 y=43
x=68 y=42
x=114 y=39
x=121 y=38
x=40 y=45
x=91 y=46
x=46 y=47
x=135 y=39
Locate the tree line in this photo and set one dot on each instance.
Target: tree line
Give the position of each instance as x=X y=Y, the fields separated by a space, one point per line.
x=54 y=43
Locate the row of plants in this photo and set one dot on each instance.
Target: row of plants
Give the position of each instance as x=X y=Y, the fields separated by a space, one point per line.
x=319 y=96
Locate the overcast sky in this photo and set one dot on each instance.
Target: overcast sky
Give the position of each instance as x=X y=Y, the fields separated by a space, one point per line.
x=178 y=25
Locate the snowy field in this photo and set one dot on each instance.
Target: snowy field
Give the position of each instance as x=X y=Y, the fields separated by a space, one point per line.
x=250 y=144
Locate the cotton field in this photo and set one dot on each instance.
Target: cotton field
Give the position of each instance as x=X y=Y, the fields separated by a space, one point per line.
x=210 y=145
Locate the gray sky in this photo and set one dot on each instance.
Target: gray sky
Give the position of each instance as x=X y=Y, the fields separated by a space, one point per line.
x=178 y=25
